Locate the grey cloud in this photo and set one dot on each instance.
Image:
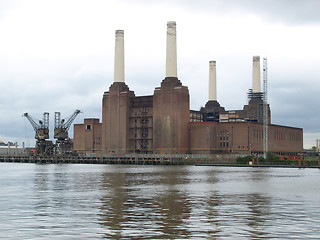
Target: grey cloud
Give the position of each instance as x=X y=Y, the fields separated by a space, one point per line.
x=71 y=81
x=297 y=107
x=285 y=11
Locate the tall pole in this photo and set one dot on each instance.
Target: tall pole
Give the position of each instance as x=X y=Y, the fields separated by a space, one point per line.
x=119 y=57
x=171 y=58
x=265 y=107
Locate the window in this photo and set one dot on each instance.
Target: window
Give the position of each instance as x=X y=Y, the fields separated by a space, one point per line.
x=88 y=127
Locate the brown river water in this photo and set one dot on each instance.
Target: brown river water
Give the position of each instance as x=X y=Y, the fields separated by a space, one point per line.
x=70 y=201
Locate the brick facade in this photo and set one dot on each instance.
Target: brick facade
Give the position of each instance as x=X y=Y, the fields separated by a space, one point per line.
x=243 y=137
x=88 y=136
x=171 y=116
x=163 y=123
x=116 y=118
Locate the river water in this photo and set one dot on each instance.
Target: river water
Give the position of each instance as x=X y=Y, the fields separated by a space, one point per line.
x=157 y=202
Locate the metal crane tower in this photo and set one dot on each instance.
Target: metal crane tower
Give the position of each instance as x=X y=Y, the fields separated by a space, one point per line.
x=61 y=128
x=265 y=107
x=41 y=133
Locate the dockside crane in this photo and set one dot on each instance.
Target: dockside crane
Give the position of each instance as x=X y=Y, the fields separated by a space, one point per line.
x=61 y=128
x=41 y=128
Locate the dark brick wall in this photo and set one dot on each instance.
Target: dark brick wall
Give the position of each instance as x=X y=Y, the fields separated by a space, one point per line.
x=171 y=117
x=246 y=137
x=116 y=118
x=87 y=136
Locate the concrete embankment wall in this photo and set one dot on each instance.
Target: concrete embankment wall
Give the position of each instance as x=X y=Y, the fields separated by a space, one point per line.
x=141 y=159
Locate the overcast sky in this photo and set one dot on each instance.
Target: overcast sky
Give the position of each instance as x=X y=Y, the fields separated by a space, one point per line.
x=57 y=55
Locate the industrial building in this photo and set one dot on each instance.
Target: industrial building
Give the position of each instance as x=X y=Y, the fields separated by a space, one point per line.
x=164 y=124
x=11 y=149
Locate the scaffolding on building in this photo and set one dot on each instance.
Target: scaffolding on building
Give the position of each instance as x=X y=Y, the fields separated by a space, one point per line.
x=144 y=129
x=254 y=95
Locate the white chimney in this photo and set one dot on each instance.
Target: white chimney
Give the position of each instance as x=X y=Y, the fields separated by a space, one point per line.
x=119 y=57
x=256 y=80
x=212 y=81
x=171 y=61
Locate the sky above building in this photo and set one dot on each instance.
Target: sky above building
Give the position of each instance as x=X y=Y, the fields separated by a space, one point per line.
x=58 y=56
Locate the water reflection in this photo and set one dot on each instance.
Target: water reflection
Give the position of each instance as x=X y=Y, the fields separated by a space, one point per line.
x=149 y=202
x=170 y=203
x=173 y=211
x=260 y=216
x=41 y=185
x=141 y=205
x=64 y=199
x=113 y=204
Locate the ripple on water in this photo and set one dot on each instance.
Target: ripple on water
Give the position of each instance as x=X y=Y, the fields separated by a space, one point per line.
x=157 y=202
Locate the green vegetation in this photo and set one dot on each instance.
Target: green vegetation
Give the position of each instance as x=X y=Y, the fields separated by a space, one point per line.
x=274 y=160
x=244 y=160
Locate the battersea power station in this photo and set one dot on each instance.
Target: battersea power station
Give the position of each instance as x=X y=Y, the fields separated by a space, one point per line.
x=163 y=123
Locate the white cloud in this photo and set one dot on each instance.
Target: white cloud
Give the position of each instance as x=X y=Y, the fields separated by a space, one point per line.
x=58 y=55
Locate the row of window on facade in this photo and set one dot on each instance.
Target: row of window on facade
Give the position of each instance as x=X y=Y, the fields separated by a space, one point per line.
x=142 y=136
x=224 y=138
x=196 y=117
x=141 y=112
x=258 y=133
x=292 y=136
x=295 y=137
x=277 y=135
x=142 y=145
x=224 y=144
x=142 y=121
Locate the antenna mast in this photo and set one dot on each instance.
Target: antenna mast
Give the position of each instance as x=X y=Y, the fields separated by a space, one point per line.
x=265 y=107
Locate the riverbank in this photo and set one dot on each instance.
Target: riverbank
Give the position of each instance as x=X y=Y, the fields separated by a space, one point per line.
x=141 y=159
x=256 y=166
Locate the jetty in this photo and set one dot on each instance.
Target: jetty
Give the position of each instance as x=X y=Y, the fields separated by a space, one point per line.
x=133 y=159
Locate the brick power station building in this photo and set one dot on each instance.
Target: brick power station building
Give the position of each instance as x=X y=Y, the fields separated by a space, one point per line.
x=164 y=124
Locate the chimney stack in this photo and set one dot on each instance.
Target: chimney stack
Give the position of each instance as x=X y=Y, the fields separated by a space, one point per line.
x=171 y=61
x=212 y=81
x=256 y=80
x=119 y=57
